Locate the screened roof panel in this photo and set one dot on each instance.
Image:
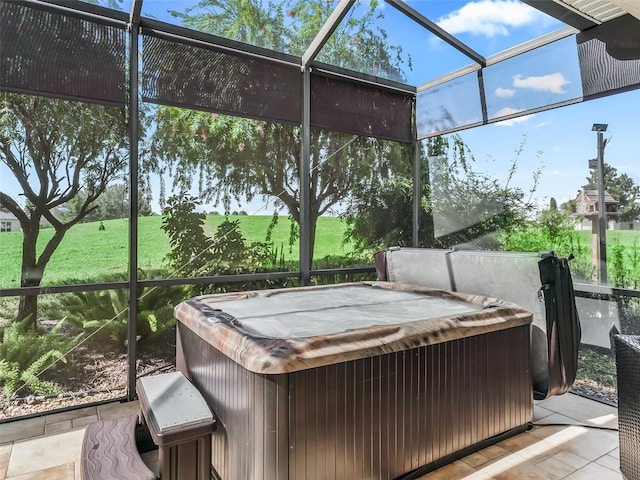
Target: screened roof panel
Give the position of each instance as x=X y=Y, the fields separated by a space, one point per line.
x=177 y=73
x=337 y=104
x=449 y=106
x=386 y=43
x=252 y=60
x=488 y=27
x=120 y=5
x=539 y=78
x=272 y=24
x=610 y=57
x=61 y=56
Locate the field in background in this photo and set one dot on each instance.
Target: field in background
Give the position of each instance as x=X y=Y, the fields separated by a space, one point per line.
x=625 y=237
x=90 y=254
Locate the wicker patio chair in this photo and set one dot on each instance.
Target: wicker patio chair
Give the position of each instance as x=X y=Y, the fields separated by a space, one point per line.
x=628 y=367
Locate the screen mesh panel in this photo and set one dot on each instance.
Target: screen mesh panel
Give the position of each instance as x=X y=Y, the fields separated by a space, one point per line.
x=610 y=57
x=65 y=57
x=184 y=75
x=449 y=106
x=360 y=109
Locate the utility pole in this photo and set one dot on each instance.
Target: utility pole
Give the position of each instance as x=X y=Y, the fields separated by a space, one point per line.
x=600 y=128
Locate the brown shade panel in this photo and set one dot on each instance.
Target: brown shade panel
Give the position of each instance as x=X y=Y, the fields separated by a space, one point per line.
x=210 y=78
x=340 y=105
x=59 y=56
x=610 y=57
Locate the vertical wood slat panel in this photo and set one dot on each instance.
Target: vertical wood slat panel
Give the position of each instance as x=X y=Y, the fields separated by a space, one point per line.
x=251 y=440
x=404 y=410
x=373 y=418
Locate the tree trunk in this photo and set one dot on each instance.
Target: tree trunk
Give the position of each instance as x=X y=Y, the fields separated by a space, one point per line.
x=313 y=220
x=28 y=307
x=31 y=275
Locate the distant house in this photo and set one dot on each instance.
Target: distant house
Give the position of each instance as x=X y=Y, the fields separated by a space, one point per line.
x=8 y=222
x=587 y=209
x=587 y=203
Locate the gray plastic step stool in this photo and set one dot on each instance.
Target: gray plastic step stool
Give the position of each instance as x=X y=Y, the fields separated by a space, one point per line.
x=180 y=423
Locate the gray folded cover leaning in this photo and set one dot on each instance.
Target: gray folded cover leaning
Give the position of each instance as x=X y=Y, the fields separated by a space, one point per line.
x=541 y=284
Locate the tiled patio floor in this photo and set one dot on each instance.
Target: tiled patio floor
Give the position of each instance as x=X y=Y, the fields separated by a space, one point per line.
x=48 y=448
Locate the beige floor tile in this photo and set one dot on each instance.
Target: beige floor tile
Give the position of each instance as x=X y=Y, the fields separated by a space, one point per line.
x=60 y=472
x=458 y=470
x=118 y=409
x=5 y=453
x=571 y=459
x=18 y=430
x=475 y=460
x=51 y=428
x=538 y=450
x=610 y=462
x=502 y=465
x=593 y=471
x=615 y=453
x=526 y=471
x=582 y=409
x=559 y=435
x=594 y=445
x=485 y=456
x=552 y=465
x=519 y=442
x=494 y=451
x=557 y=419
x=539 y=412
x=70 y=415
x=50 y=451
x=84 y=421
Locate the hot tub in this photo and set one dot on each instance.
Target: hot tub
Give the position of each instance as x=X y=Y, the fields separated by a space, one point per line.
x=353 y=381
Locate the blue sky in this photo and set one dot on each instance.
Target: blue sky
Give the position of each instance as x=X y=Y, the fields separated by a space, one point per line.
x=561 y=142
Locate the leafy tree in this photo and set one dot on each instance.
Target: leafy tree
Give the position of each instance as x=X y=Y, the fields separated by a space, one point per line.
x=569 y=206
x=113 y=203
x=232 y=157
x=194 y=253
x=190 y=246
x=479 y=204
x=380 y=210
x=55 y=150
x=381 y=214
x=621 y=187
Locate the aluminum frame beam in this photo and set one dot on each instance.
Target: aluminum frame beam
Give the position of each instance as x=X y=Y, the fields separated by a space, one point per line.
x=326 y=31
x=438 y=31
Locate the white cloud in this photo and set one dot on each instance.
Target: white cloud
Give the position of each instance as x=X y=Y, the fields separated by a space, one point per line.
x=512 y=121
x=554 y=82
x=544 y=124
x=489 y=18
x=505 y=92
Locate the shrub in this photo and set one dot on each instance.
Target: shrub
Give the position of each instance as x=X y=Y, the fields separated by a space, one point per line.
x=25 y=352
x=104 y=314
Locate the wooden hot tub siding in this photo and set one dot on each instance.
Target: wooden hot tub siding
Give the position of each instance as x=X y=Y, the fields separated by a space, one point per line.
x=378 y=417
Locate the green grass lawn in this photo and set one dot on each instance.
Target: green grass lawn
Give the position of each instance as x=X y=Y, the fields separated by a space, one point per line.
x=88 y=254
x=625 y=237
